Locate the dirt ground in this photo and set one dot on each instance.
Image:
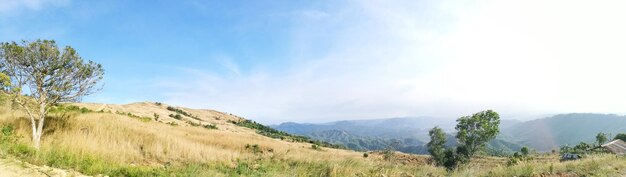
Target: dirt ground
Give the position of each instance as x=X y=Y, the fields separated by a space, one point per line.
x=14 y=168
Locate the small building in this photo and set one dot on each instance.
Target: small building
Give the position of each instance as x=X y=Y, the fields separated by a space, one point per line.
x=616 y=147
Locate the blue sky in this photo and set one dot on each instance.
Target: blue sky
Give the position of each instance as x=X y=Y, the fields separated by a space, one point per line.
x=316 y=61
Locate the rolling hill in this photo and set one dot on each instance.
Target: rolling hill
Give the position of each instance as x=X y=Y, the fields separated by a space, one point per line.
x=543 y=134
x=408 y=134
x=565 y=129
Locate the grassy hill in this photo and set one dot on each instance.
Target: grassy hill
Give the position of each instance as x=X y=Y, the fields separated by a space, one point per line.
x=129 y=140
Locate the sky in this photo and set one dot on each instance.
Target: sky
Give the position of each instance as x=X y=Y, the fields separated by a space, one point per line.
x=316 y=61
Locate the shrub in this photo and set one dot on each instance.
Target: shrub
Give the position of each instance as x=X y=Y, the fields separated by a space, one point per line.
x=316 y=147
x=365 y=155
x=210 y=126
x=254 y=148
x=156 y=117
x=180 y=111
x=158 y=103
x=193 y=123
x=177 y=116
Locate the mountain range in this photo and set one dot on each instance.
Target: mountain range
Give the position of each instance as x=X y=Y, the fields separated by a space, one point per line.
x=410 y=134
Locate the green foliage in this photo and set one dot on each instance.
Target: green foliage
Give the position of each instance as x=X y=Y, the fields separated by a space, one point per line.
x=621 y=136
x=210 y=126
x=524 y=151
x=180 y=111
x=193 y=123
x=476 y=130
x=131 y=115
x=601 y=138
x=365 y=155
x=436 y=146
x=451 y=159
x=273 y=133
x=156 y=117
x=158 y=103
x=316 y=147
x=50 y=76
x=62 y=108
x=176 y=116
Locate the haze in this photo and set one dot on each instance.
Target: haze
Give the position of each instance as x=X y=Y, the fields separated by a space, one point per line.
x=333 y=60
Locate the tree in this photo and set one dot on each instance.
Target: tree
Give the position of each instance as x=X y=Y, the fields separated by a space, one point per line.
x=524 y=151
x=436 y=146
x=41 y=76
x=476 y=130
x=601 y=138
x=621 y=136
x=451 y=160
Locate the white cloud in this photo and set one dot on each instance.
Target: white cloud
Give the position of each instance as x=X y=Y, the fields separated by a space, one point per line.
x=403 y=58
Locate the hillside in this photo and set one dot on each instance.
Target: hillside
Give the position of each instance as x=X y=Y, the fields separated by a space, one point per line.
x=566 y=129
x=129 y=140
x=407 y=135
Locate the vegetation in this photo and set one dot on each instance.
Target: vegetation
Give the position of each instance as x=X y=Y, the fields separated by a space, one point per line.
x=176 y=116
x=476 y=130
x=180 y=111
x=473 y=133
x=621 y=136
x=601 y=138
x=48 y=76
x=436 y=146
x=273 y=133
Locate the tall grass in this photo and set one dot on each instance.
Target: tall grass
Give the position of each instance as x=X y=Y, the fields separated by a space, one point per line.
x=116 y=145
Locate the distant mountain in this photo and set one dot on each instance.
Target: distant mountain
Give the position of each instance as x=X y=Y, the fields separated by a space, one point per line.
x=543 y=134
x=408 y=134
x=552 y=132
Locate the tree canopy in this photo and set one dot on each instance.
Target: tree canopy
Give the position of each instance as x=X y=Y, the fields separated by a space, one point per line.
x=40 y=75
x=476 y=130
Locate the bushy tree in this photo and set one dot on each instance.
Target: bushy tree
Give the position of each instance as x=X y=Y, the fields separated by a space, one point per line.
x=476 y=130
x=524 y=151
x=621 y=136
x=40 y=75
x=436 y=146
x=451 y=160
x=601 y=138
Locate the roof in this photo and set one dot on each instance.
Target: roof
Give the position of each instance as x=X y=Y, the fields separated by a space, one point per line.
x=617 y=147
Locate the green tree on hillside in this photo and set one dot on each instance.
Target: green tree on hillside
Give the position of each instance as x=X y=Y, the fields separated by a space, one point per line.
x=476 y=130
x=601 y=138
x=621 y=136
x=436 y=146
x=524 y=151
x=41 y=76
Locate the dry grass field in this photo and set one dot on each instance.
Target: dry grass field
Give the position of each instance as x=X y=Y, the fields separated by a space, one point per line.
x=127 y=140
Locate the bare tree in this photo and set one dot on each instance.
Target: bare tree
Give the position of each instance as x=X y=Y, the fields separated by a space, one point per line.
x=41 y=76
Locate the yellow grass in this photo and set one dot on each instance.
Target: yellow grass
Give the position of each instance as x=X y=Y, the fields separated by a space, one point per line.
x=120 y=139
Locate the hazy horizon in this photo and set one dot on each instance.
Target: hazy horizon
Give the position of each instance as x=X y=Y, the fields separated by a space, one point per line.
x=323 y=61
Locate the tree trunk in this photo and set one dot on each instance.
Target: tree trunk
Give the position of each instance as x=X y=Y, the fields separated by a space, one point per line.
x=39 y=132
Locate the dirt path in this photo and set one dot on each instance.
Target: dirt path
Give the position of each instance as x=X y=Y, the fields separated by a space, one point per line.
x=14 y=168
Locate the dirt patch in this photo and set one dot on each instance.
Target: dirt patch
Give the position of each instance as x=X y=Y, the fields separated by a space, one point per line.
x=15 y=168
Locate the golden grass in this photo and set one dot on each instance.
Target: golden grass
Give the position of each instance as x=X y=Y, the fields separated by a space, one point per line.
x=124 y=140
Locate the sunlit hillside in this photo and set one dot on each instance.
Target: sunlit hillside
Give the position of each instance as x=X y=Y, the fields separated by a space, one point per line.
x=126 y=140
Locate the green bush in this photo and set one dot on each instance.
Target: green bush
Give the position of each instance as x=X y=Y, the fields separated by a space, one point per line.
x=180 y=111
x=210 y=126
x=177 y=116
